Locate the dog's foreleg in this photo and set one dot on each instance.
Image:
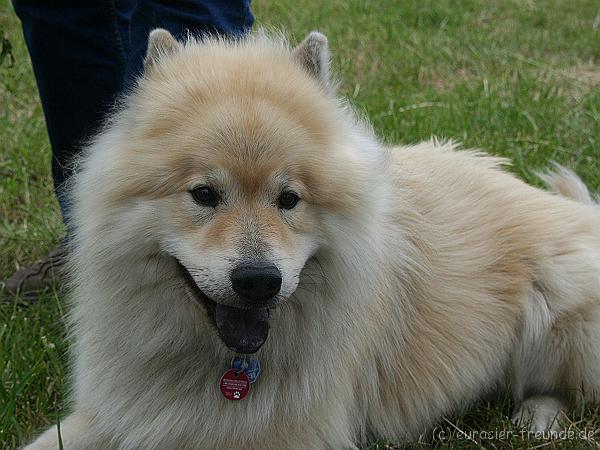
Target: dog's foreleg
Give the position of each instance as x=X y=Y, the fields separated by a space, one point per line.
x=74 y=435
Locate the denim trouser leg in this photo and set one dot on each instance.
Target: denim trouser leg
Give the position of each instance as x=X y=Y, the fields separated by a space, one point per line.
x=82 y=51
x=79 y=62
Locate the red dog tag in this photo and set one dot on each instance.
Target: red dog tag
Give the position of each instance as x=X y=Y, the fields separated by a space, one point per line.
x=234 y=384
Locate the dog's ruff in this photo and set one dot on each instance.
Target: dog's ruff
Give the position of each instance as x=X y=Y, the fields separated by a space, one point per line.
x=416 y=280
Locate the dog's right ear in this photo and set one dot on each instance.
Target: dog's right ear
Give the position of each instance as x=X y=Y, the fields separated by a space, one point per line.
x=160 y=43
x=313 y=55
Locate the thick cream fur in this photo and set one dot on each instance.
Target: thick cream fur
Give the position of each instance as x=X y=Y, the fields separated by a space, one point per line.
x=430 y=276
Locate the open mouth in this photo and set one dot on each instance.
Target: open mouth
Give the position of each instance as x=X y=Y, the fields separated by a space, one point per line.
x=242 y=330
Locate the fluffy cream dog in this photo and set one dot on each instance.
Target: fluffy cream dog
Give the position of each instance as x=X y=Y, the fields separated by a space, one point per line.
x=235 y=205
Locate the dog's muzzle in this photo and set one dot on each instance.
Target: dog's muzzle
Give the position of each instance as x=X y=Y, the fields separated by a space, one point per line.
x=242 y=329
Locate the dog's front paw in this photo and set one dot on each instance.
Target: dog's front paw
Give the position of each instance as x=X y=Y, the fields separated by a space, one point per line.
x=539 y=414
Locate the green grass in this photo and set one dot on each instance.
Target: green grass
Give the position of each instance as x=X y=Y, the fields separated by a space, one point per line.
x=518 y=78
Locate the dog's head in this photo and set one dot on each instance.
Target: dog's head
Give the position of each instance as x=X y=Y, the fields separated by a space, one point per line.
x=239 y=149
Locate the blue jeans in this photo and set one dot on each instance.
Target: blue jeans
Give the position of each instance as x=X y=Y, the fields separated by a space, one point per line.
x=85 y=52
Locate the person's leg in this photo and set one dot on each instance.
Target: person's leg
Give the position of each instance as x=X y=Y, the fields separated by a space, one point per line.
x=79 y=53
x=79 y=61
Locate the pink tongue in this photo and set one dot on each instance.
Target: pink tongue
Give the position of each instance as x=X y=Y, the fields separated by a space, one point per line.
x=242 y=330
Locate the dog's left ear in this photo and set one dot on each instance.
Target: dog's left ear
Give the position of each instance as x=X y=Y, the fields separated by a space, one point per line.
x=160 y=43
x=313 y=55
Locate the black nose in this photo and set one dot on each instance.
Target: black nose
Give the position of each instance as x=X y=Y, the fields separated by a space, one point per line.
x=256 y=282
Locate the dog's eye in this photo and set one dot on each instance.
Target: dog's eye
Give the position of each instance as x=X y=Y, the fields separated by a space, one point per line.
x=206 y=196
x=288 y=200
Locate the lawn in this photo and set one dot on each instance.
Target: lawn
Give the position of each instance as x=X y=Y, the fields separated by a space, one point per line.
x=517 y=78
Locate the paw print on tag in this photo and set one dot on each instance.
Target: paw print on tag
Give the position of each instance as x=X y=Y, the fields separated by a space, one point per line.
x=236 y=394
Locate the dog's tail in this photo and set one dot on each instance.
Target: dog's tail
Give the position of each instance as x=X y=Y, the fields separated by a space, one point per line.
x=565 y=182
